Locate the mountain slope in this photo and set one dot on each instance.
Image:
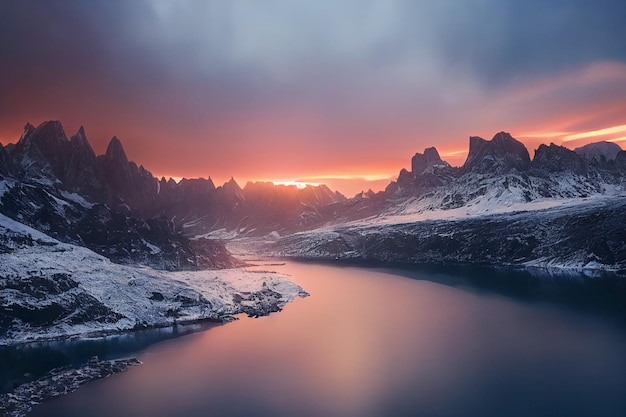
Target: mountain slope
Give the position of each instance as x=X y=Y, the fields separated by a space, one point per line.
x=559 y=209
x=589 y=235
x=50 y=289
x=499 y=173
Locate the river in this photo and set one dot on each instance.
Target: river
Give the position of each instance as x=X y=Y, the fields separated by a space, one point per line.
x=377 y=342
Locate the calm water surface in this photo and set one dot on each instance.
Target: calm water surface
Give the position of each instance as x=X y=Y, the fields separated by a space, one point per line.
x=373 y=343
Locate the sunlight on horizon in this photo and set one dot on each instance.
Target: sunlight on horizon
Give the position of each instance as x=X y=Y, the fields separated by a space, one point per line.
x=595 y=135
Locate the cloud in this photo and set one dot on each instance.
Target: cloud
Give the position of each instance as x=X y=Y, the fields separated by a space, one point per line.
x=282 y=89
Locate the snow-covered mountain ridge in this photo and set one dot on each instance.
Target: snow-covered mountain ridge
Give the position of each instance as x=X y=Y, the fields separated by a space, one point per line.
x=560 y=209
x=500 y=173
x=575 y=235
x=50 y=289
x=119 y=210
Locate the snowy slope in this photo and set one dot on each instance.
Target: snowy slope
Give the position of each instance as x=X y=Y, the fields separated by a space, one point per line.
x=51 y=289
x=585 y=234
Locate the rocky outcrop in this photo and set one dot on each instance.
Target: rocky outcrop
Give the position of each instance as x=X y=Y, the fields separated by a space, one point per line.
x=500 y=155
x=21 y=400
x=555 y=158
x=126 y=184
x=81 y=173
x=42 y=151
x=421 y=162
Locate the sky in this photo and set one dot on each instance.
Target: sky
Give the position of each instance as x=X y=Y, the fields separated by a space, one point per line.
x=341 y=92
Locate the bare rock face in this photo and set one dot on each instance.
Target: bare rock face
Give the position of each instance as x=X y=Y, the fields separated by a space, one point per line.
x=42 y=151
x=81 y=173
x=500 y=155
x=555 y=158
x=620 y=161
x=421 y=162
x=125 y=183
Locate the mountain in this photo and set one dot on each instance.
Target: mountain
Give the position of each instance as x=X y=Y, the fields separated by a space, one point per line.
x=50 y=289
x=586 y=236
x=600 y=151
x=502 y=154
x=59 y=186
x=120 y=210
x=500 y=173
x=559 y=209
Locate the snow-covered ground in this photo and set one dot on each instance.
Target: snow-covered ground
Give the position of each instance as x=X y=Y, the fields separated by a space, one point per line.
x=50 y=289
x=415 y=210
x=584 y=234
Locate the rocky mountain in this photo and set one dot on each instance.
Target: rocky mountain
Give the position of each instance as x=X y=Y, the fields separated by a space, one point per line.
x=119 y=209
x=51 y=289
x=562 y=208
x=500 y=173
x=588 y=236
x=501 y=155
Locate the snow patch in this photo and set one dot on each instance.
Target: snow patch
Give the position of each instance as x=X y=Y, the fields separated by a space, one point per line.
x=141 y=296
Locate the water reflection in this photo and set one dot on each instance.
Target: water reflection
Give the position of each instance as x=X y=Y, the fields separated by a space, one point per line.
x=372 y=343
x=27 y=362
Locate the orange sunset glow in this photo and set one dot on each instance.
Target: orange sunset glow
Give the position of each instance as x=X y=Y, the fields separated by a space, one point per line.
x=228 y=101
x=305 y=208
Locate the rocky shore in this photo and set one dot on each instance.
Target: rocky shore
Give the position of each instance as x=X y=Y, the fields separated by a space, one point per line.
x=21 y=400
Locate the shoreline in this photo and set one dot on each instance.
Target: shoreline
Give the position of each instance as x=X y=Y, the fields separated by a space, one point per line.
x=20 y=401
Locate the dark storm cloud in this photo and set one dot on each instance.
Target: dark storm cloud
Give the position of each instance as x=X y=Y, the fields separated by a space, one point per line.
x=500 y=41
x=244 y=53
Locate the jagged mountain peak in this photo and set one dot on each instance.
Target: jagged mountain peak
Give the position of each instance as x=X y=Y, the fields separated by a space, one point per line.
x=42 y=151
x=115 y=151
x=47 y=133
x=80 y=135
x=79 y=140
x=421 y=162
x=28 y=129
x=232 y=183
x=599 y=151
x=232 y=187
x=501 y=154
x=198 y=184
x=556 y=158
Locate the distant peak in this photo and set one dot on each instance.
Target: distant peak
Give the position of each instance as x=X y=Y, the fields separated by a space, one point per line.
x=81 y=145
x=421 y=162
x=503 y=152
x=80 y=136
x=599 y=150
x=52 y=127
x=432 y=153
x=503 y=137
x=232 y=183
x=47 y=134
x=28 y=129
x=115 y=150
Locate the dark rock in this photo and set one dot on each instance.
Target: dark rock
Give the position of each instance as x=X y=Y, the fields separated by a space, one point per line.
x=20 y=401
x=421 y=162
x=156 y=296
x=555 y=158
x=500 y=155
